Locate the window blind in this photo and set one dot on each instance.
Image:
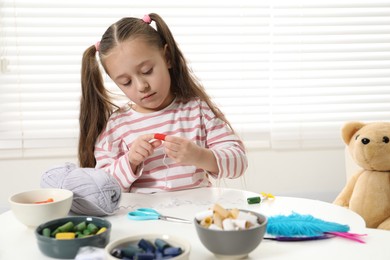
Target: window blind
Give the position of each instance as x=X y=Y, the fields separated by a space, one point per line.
x=286 y=74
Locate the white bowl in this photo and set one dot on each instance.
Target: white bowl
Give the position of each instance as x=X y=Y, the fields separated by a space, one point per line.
x=28 y=212
x=172 y=240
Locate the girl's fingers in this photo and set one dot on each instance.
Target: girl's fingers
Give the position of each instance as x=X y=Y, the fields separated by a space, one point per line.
x=145 y=149
x=156 y=143
x=147 y=137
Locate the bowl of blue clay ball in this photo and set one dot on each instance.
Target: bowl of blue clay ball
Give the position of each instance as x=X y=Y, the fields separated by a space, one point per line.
x=149 y=246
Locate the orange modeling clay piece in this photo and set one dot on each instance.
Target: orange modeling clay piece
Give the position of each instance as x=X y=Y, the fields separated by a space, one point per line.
x=160 y=137
x=45 y=201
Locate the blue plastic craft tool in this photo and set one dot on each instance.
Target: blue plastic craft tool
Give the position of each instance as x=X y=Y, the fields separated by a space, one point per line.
x=298 y=238
x=151 y=214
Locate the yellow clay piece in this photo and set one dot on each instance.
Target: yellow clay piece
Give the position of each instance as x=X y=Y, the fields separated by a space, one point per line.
x=233 y=213
x=66 y=235
x=207 y=221
x=217 y=220
x=224 y=213
x=101 y=230
x=267 y=195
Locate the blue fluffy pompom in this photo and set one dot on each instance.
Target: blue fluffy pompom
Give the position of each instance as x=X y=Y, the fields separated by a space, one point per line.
x=296 y=225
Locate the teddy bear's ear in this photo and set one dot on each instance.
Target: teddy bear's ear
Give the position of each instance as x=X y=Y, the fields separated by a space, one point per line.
x=349 y=129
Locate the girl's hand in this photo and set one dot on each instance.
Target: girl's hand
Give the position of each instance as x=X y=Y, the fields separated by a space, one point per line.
x=141 y=149
x=187 y=152
x=181 y=149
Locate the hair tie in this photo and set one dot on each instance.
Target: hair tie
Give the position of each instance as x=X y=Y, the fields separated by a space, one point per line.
x=147 y=19
x=97 y=45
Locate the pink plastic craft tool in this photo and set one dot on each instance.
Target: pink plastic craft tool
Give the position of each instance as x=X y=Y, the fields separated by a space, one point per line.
x=348 y=235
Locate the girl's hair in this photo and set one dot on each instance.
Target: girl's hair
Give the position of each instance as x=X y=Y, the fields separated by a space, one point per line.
x=96 y=105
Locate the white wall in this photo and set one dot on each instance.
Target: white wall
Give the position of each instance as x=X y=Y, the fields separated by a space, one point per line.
x=315 y=174
x=22 y=175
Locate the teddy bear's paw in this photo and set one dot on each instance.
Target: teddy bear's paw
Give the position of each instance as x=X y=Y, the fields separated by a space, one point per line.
x=341 y=203
x=385 y=224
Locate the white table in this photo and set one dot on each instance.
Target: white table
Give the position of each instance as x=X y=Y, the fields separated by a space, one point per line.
x=18 y=241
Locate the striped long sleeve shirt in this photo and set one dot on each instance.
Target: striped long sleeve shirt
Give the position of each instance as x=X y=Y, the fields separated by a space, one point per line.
x=193 y=120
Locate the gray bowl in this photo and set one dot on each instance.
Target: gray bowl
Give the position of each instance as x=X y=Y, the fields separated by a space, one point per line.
x=67 y=249
x=232 y=244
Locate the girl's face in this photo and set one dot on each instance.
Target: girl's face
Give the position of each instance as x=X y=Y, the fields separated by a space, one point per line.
x=141 y=71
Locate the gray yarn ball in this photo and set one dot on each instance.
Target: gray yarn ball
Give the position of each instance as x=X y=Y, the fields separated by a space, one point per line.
x=95 y=192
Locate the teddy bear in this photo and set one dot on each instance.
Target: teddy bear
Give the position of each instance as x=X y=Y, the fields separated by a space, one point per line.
x=367 y=192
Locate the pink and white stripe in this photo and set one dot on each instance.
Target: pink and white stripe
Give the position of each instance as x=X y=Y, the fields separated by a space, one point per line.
x=193 y=120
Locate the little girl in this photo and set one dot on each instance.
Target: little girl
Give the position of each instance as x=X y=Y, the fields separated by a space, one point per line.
x=171 y=136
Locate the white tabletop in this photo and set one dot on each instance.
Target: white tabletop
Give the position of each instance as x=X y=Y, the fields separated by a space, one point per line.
x=18 y=241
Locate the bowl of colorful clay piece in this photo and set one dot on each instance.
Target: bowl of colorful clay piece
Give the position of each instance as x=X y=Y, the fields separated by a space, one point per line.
x=230 y=233
x=149 y=246
x=63 y=237
x=35 y=207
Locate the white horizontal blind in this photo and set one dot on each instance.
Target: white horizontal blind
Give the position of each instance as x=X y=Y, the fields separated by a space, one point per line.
x=330 y=64
x=286 y=74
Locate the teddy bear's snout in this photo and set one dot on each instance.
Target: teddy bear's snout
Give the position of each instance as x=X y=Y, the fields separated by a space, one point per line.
x=365 y=141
